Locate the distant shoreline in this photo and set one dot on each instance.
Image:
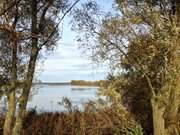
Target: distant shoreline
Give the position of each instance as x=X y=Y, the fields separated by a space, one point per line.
x=73 y=82
x=53 y=83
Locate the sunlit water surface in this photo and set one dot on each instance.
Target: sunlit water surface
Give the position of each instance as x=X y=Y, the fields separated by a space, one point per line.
x=47 y=97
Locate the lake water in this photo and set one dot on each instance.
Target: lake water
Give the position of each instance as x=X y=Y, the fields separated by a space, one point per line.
x=46 y=97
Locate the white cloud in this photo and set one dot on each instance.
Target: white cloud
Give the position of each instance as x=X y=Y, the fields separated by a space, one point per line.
x=67 y=62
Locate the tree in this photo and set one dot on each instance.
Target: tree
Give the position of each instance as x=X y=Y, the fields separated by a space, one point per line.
x=141 y=39
x=9 y=63
x=31 y=26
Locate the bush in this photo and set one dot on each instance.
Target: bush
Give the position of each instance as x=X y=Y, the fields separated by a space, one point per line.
x=98 y=118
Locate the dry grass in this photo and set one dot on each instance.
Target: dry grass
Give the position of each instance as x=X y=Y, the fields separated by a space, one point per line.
x=94 y=120
x=77 y=123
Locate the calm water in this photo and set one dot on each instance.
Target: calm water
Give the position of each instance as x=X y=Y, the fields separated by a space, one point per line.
x=46 y=97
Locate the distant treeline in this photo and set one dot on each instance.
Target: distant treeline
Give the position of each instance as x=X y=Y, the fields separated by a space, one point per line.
x=87 y=83
x=74 y=82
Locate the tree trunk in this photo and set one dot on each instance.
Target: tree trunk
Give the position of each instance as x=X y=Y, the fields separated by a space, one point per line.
x=11 y=93
x=7 y=130
x=21 y=114
x=26 y=90
x=30 y=74
x=172 y=111
x=158 y=119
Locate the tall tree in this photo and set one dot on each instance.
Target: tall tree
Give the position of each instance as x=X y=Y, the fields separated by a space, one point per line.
x=142 y=38
x=9 y=60
x=30 y=27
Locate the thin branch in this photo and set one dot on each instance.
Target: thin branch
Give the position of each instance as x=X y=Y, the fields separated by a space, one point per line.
x=138 y=65
x=10 y=7
x=57 y=25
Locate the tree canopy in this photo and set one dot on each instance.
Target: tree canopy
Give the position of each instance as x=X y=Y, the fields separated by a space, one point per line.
x=142 y=41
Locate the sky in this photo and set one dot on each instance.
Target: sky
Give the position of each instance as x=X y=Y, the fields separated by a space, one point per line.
x=68 y=62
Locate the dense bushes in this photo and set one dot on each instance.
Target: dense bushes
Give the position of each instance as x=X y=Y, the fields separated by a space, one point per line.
x=96 y=119
x=132 y=93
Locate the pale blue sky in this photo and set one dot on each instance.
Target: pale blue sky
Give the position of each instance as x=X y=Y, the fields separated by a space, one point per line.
x=68 y=62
